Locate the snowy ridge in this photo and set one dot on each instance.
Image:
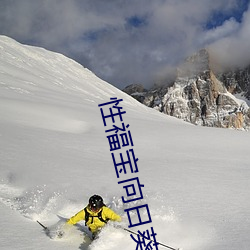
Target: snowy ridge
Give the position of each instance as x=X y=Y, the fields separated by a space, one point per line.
x=54 y=155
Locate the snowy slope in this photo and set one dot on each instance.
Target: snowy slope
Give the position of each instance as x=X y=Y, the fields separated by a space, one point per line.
x=54 y=155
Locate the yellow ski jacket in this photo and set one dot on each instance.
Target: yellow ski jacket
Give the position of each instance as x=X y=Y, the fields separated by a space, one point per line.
x=94 y=223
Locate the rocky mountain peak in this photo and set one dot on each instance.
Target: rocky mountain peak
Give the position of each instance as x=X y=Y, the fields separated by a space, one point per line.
x=200 y=96
x=196 y=64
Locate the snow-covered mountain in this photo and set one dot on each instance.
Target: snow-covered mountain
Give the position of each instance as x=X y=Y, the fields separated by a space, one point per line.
x=201 y=95
x=55 y=154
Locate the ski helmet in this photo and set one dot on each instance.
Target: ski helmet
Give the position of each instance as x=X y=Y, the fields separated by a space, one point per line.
x=95 y=202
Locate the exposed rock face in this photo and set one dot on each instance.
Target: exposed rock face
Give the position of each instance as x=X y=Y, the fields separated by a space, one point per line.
x=237 y=81
x=199 y=97
x=137 y=91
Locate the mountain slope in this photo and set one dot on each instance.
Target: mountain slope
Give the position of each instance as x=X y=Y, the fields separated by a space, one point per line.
x=55 y=154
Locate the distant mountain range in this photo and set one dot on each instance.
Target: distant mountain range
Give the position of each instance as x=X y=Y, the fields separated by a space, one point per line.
x=201 y=94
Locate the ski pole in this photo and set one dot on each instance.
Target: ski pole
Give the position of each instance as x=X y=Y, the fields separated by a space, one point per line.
x=159 y=243
x=45 y=228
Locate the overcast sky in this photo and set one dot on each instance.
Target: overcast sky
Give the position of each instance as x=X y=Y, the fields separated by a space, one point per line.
x=131 y=41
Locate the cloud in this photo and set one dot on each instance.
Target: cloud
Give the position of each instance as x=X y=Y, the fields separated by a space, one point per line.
x=233 y=49
x=228 y=28
x=123 y=42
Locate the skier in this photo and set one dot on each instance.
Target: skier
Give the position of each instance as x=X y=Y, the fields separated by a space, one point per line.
x=95 y=214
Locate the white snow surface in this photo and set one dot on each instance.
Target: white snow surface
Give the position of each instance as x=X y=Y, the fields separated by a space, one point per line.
x=54 y=155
